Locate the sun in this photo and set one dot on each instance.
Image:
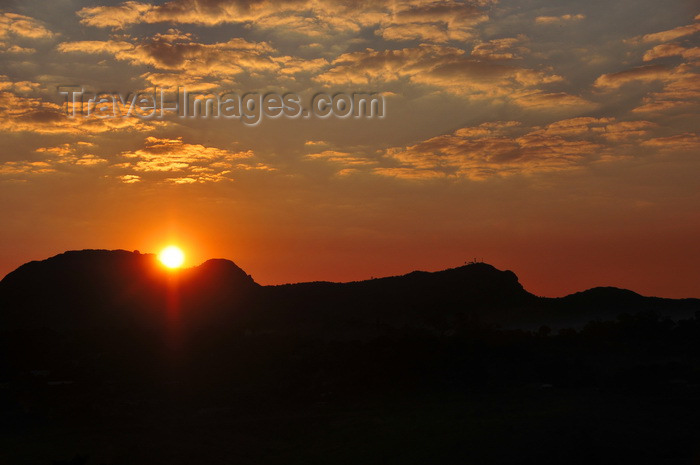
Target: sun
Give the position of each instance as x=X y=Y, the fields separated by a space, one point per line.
x=172 y=257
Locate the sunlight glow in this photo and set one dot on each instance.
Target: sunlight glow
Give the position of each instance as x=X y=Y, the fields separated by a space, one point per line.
x=172 y=257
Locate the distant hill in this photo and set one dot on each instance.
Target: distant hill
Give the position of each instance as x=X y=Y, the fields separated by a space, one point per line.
x=121 y=289
x=107 y=352
x=113 y=288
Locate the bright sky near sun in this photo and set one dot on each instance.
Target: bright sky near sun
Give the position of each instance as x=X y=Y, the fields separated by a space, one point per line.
x=556 y=139
x=172 y=257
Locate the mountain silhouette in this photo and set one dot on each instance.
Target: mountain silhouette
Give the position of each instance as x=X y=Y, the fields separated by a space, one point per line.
x=456 y=366
x=122 y=289
x=113 y=288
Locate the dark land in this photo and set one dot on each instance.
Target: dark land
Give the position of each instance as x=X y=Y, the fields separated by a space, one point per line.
x=106 y=358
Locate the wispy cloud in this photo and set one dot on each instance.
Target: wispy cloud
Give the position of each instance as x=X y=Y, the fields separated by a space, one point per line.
x=559 y=19
x=20 y=113
x=671 y=34
x=174 y=160
x=16 y=25
x=507 y=148
x=436 y=21
x=448 y=68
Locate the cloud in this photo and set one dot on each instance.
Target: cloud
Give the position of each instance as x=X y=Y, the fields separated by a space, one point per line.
x=22 y=168
x=500 y=49
x=22 y=113
x=129 y=178
x=21 y=87
x=647 y=73
x=174 y=51
x=435 y=21
x=112 y=47
x=679 y=142
x=161 y=154
x=177 y=59
x=19 y=28
x=409 y=173
x=61 y=158
x=626 y=130
x=680 y=85
x=552 y=100
x=292 y=65
x=172 y=80
x=589 y=128
x=29 y=114
x=671 y=34
x=313 y=26
x=314 y=143
x=581 y=127
x=444 y=67
x=681 y=91
x=482 y=73
x=425 y=32
x=559 y=19
x=506 y=148
x=204 y=12
x=15 y=49
x=117 y=16
x=16 y=25
x=173 y=160
x=344 y=158
x=76 y=154
x=669 y=50
x=668 y=88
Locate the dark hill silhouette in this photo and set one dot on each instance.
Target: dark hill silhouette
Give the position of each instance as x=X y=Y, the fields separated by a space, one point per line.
x=113 y=288
x=106 y=358
x=606 y=303
x=418 y=300
x=122 y=289
x=612 y=296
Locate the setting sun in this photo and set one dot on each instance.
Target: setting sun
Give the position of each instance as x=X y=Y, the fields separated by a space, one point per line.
x=172 y=257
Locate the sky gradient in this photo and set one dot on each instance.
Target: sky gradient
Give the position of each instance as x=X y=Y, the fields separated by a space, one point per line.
x=556 y=139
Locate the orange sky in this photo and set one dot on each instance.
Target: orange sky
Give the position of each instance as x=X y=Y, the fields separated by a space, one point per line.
x=558 y=140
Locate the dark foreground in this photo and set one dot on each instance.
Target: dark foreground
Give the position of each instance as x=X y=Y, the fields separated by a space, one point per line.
x=619 y=392
x=557 y=426
x=107 y=359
